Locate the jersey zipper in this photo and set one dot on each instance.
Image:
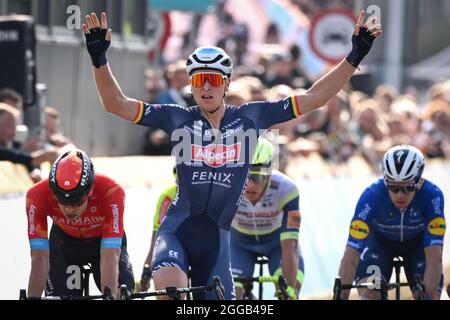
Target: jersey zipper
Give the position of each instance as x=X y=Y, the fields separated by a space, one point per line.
x=211 y=129
x=254 y=221
x=401 y=223
x=205 y=211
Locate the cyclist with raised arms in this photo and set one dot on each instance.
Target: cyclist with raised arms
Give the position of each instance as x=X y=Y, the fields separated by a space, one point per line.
x=87 y=213
x=401 y=214
x=215 y=154
x=267 y=224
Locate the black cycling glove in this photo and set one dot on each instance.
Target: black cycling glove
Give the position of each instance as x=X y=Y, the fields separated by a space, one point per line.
x=97 y=45
x=361 y=46
x=146 y=274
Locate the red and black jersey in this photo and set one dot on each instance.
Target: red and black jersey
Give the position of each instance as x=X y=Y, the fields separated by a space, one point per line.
x=103 y=216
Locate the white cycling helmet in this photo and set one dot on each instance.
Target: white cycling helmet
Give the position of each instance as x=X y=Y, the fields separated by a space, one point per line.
x=402 y=163
x=209 y=58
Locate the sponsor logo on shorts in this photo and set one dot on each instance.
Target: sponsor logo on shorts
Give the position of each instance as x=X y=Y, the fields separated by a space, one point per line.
x=173 y=254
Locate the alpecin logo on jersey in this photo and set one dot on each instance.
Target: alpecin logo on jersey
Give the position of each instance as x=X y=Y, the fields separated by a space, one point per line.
x=216 y=155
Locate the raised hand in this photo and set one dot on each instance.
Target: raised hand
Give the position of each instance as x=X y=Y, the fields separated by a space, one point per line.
x=363 y=38
x=98 y=38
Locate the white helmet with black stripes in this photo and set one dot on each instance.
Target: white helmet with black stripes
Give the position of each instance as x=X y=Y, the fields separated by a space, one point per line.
x=402 y=163
x=209 y=57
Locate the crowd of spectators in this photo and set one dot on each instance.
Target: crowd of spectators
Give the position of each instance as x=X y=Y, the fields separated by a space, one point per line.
x=353 y=123
x=20 y=145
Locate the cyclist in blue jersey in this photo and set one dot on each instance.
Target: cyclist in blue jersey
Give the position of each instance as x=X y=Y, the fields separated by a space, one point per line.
x=214 y=144
x=401 y=214
x=267 y=224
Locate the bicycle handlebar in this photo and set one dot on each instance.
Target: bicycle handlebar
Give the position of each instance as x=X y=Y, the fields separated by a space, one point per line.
x=172 y=292
x=260 y=279
x=383 y=287
x=107 y=295
x=280 y=281
x=175 y=293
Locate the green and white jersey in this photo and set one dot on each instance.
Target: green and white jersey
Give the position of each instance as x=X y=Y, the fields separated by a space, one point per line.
x=164 y=202
x=277 y=211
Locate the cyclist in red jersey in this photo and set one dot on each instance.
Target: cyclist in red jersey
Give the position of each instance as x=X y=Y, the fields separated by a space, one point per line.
x=87 y=214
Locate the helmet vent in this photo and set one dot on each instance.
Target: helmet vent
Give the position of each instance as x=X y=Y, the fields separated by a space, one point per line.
x=207 y=61
x=408 y=172
x=388 y=168
x=226 y=63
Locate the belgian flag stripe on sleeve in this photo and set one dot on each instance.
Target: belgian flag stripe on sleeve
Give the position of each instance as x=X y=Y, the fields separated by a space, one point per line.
x=296 y=106
x=139 y=113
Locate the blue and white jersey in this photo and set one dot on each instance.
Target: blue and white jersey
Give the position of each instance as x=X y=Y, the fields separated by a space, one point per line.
x=375 y=213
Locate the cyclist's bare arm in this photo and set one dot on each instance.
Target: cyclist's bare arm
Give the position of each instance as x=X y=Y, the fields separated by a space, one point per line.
x=289 y=261
x=109 y=268
x=144 y=286
x=111 y=95
x=347 y=269
x=326 y=87
x=148 y=260
x=332 y=82
x=40 y=267
x=433 y=271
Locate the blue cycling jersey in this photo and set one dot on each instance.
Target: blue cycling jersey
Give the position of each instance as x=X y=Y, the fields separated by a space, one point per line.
x=212 y=169
x=213 y=173
x=376 y=214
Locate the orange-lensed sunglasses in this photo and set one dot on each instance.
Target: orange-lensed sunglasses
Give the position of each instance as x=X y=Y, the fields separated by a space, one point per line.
x=214 y=79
